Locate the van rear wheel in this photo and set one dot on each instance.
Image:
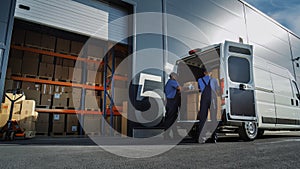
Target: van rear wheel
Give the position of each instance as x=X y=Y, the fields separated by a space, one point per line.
x=248 y=131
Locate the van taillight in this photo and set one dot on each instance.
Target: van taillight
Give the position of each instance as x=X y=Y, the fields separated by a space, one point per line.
x=222 y=90
x=192 y=52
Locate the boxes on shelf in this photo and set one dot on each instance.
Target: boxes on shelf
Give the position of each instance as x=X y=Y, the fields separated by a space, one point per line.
x=76 y=48
x=95 y=51
x=91 y=76
x=15 y=54
x=74 y=98
x=77 y=72
x=47 y=89
x=92 y=123
x=30 y=86
x=30 y=63
x=46 y=70
x=62 y=46
x=60 y=100
x=61 y=73
x=93 y=102
x=59 y=61
x=33 y=39
x=33 y=95
x=42 y=123
x=58 y=123
x=48 y=42
x=46 y=100
x=15 y=65
x=68 y=62
x=47 y=59
x=72 y=123
x=18 y=37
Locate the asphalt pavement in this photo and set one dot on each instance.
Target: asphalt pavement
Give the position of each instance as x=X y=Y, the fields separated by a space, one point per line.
x=274 y=150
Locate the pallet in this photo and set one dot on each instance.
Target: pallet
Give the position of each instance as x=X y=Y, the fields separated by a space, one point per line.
x=30 y=134
x=47 y=49
x=94 y=58
x=93 y=84
x=93 y=133
x=59 y=107
x=90 y=109
x=44 y=77
x=62 y=80
x=33 y=46
x=43 y=106
x=77 y=82
x=30 y=76
x=16 y=74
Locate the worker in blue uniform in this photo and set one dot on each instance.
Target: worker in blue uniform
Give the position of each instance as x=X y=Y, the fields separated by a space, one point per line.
x=209 y=88
x=172 y=92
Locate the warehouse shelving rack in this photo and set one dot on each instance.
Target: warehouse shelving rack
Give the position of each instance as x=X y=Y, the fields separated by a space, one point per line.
x=108 y=80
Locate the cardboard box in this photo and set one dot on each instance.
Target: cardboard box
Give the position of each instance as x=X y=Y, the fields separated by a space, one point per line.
x=46 y=70
x=33 y=39
x=91 y=76
x=60 y=100
x=48 y=42
x=9 y=84
x=193 y=85
x=77 y=72
x=46 y=99
x=28 y=124
x=15 y=66
x=99 y=78
x=93 y=102
x=28 y=109
x=58 y=123
x=30 y=63
x=72 y=123
x=59 y=61
x=68 y=62
x=5 y=109
x=47 y=59
x=61 y=73
x=47 y=89
x=62 y=46
x=42 y=123
x=3 y=119
x=33 y=95
x=18 y=37
x=193 y=98
x=30 y=86
x=92 y=123
x=16 y=54
x=95 y=50
x=75 y=98
x=76 y=47
x=13 y=97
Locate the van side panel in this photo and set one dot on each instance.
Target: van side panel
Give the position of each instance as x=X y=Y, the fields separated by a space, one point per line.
x=286 y=114
x=265 y=102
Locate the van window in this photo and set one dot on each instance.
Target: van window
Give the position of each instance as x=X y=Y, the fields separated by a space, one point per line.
x=239 y=69
x=295 y=88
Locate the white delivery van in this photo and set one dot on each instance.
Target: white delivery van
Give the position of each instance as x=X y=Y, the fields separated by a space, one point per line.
x=255 y=94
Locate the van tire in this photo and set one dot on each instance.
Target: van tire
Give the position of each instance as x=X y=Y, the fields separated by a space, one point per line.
x=248 y=131
x=260 y=133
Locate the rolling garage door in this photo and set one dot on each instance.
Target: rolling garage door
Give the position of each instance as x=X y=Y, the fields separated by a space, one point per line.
x=87 y=17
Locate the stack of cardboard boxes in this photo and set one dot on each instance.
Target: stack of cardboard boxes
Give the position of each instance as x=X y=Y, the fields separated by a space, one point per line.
x=23 y=111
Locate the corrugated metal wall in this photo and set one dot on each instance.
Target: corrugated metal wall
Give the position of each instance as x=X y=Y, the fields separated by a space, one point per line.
x=90 y=18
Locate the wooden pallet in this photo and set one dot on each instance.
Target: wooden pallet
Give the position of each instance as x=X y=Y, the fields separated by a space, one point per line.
x=30 y=76
x=93 y=84
x=59 y=107
x=91 y=109
x=43 y=106
x=94 y=58
x=62 y=80
x=93 y=133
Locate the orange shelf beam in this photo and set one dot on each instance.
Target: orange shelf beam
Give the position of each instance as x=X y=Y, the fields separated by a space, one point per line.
x=57 y=83
x=44 y=52
x=65 y=111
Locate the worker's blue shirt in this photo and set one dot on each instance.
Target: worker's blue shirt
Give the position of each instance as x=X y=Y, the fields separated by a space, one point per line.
x=171 y=88
x=213 y=83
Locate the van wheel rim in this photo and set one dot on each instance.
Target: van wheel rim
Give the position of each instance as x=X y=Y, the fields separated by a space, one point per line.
x=251 y=128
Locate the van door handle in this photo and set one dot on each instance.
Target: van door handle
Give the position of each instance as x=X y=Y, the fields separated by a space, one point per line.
x=292 y=102
x=297 y=103
x=242 y=87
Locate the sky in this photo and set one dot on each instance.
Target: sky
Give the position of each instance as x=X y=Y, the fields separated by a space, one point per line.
x=286 y=12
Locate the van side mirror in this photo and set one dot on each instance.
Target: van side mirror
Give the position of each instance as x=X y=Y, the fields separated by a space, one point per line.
x=298 y=96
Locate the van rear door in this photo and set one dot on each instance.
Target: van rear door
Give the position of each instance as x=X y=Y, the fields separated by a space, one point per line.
x=239 y=82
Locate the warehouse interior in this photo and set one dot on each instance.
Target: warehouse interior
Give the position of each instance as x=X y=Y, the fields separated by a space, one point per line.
x=70 y=76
